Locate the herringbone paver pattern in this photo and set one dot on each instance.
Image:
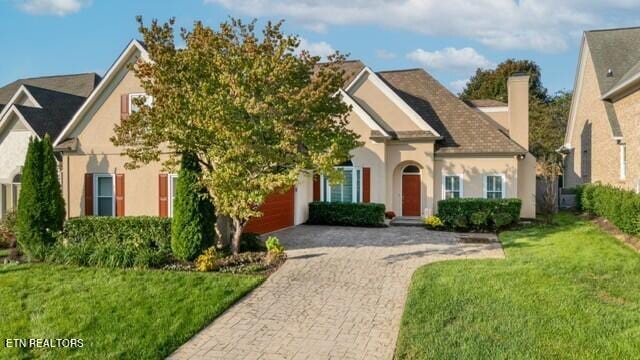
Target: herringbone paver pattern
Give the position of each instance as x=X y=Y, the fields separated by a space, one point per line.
x=340 y=295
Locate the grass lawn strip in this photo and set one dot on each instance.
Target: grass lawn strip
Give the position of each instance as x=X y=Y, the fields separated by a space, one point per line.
x=563 y=291
x=134 y=314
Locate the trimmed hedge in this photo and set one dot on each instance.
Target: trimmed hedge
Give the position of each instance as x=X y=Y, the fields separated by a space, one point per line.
x=347 y=214
x=136 y=241
x=479 y=213
x=620 y=207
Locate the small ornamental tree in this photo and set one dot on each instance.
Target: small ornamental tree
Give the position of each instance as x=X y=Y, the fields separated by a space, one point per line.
x=192 y=228
x=253 y=110
x=41 y=207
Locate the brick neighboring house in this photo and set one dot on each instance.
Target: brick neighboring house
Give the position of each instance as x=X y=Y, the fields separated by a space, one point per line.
x=422 y=144
x=32 y=108
x=602 y=142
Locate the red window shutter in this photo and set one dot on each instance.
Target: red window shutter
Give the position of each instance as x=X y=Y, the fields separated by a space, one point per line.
x=163 y=190
x=316 y=187
x=88 y=194
x=124 y=106
x=119 y=194
x=366 y=185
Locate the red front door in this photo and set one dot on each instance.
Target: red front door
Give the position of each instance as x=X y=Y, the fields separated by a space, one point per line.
x=410 y=195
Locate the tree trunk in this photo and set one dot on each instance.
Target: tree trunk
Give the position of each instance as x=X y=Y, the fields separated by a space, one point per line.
x=222 y=237
x=238 y=227
x=550 y=169
x=549 y=199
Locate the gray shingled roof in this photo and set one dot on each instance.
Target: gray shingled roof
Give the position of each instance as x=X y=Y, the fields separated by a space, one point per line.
x=59 y=96
x=618 y=50
x=75 y=84
x=484 y=103
x=351 y=69
x=463 y=129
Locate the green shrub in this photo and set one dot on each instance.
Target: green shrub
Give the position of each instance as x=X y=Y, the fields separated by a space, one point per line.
x=620 y=207
x=273 y=245
x=193 y=226
x=41 y=207
x=501 y=219
x=433 y=222
x=579 y=191
x=207 y=261
x=460 y=222
x=479 y=220
x=348 y=214
x=251 y=242
x=8 y=230
x=141 y=241
x=458 y=213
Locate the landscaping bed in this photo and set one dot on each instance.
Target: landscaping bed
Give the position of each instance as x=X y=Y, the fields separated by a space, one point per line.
x=563 y=291
x=145 y=242
x=136 y=314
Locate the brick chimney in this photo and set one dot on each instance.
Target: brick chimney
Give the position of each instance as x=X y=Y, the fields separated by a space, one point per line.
x=518 y=89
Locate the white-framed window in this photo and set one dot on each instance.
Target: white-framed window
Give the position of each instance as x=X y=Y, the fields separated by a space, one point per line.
x=451 y=186
x=495 y=186
x=173 y=185
x=104 y=200
x=350 y=190
x=148 y=100
x=623 y=161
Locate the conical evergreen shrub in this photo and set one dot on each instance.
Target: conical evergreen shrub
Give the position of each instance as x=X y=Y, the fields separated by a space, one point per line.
x=40 y=207
x=192 y=229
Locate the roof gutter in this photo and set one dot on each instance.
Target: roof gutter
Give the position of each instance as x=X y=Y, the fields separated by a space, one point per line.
x=621 y=88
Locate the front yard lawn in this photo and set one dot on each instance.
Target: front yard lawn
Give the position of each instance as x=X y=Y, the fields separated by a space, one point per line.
x=135 y=314
x=564 y=291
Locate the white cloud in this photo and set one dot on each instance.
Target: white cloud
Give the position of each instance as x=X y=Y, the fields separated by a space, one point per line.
x=451 y=59
x=321 y=48
x=385 y=54
x=51 y=7
x=319 y=27
x=543 y=25
x=457 y=86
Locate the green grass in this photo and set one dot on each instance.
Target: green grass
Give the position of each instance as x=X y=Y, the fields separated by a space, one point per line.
x=133 y=314
x=563 y=291
x=4 y=252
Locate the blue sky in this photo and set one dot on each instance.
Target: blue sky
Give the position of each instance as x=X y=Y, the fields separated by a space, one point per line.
x=450 y=39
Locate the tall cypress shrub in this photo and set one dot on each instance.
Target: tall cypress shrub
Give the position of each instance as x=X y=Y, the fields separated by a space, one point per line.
x=192 y=229
x=51 y=188
x=40 y=207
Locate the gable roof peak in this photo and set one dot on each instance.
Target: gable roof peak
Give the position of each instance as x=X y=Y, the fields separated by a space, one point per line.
x=463 y=129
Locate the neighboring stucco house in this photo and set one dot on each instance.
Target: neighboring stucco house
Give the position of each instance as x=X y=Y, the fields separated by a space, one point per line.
x=602 y=142
x=422 y=144
x=32 y=108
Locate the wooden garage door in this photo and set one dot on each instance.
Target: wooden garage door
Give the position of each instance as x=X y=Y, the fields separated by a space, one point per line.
x=278 y=212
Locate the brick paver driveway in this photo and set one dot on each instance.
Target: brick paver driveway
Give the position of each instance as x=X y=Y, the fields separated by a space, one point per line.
x=339 y=295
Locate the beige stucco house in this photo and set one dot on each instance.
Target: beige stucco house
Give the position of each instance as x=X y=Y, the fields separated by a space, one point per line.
x=421 y=144
x=602 y=142
x=30 y=108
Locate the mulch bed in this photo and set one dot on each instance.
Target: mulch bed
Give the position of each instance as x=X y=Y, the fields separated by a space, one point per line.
x=630 y=240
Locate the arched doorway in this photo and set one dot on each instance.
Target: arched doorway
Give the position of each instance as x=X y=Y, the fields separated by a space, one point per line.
x=411 y=197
